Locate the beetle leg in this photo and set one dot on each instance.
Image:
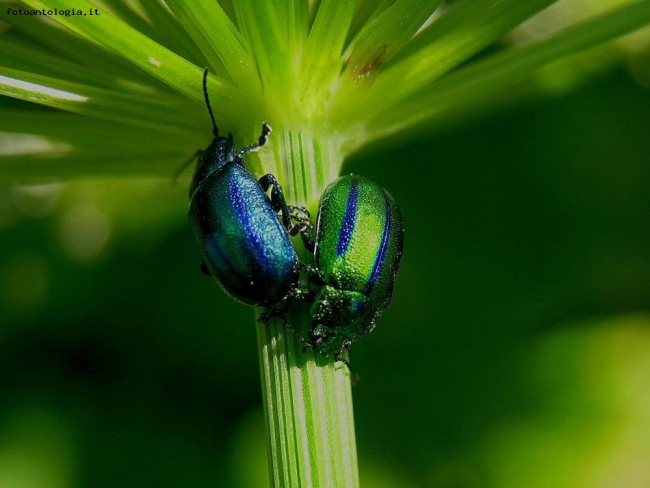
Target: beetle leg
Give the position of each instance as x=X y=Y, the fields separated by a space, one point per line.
x=339 y=357
x=306 y=231
x=304 y=295
x=307 y=236
x=277 y=200
x=300 y=214
x=204 y=269
x=274 y=313
x=267 y=315
x=264 y=137
x=178 y=172
x=313 y=274
x=278 y=203
x=304 y=227
x=271 y=313
x=300 y=228
x=304 y=342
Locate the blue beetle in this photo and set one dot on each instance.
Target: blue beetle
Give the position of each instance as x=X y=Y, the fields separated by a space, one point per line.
x=245 y=236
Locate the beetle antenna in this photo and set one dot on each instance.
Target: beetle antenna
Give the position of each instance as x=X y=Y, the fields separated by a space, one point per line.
x=215 y=129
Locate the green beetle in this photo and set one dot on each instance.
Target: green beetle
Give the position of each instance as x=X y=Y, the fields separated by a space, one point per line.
x=358 y=247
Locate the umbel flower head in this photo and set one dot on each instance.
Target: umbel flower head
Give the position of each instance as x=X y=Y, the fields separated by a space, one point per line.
x=330 y=77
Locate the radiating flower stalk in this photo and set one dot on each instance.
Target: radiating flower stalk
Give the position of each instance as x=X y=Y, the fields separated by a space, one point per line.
x=330 y=77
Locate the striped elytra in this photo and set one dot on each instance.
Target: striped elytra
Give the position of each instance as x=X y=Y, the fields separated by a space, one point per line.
x=359 y=241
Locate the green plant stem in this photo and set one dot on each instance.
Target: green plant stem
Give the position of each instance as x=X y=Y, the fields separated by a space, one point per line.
x=307 y=397
x=308 y=407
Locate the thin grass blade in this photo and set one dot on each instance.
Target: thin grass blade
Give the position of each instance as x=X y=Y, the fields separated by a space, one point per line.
x=480 y=81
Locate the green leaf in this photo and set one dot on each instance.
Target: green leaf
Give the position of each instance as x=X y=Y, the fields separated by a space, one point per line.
x=161 y=113
x=465 y=29
x=387 y=34
x=321 y=58
x=119 y=38
x=479 y=81
x=219 y=40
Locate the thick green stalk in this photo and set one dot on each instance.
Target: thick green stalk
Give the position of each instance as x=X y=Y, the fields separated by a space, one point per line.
x=307 y=397
x=308 y=407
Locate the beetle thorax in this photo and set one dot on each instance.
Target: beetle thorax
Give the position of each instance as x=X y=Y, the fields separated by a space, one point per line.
x=219 y=153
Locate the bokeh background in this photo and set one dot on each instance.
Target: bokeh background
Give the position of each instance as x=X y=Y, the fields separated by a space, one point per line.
x=516 y=351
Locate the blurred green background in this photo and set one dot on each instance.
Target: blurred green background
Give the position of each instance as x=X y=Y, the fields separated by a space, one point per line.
x=516 y=351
